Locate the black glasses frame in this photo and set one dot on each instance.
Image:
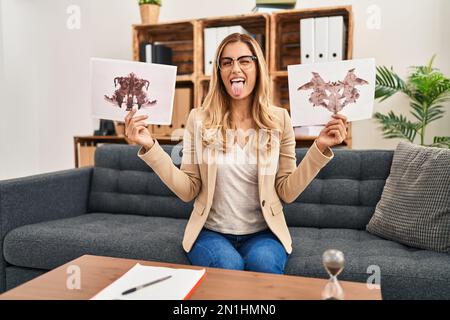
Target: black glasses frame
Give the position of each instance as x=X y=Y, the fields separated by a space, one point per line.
x=254 y=58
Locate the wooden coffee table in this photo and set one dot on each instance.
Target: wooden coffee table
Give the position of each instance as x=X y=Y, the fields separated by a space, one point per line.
x=219 y=284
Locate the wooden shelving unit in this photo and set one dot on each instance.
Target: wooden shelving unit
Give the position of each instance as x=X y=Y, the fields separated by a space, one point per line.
x=285 y=50
x=277 y=33
x=285 y=34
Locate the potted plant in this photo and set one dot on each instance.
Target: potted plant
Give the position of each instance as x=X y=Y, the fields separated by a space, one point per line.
x=149 y=11
x=428 y=90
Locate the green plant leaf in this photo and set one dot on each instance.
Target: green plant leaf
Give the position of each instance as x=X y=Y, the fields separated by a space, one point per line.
x=394 y=126
x=428 y=85
x=441 y=142
x=429 y=93
x=434 y=113
x=418 y=111
x=387 y=83
x=157 y=2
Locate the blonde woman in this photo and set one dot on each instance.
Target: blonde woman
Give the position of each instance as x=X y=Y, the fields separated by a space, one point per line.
x=238 y=164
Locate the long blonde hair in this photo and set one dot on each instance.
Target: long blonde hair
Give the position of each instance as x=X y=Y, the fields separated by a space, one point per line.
x=217 y=102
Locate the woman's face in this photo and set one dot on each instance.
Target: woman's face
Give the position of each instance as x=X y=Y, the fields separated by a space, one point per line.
x=239 y=78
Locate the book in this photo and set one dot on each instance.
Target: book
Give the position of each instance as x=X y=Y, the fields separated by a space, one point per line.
x=161 y=54
x=155 y=53
x=268 y=6
x=180 y=286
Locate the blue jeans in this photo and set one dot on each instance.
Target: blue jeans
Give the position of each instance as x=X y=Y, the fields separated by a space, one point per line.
x=260 y=251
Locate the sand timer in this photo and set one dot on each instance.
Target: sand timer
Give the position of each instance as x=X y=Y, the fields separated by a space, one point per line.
x=333 y=261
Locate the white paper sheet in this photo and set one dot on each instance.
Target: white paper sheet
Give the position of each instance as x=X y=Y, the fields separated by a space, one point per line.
x=117 y=86
x=175 y=288
x=318 y=90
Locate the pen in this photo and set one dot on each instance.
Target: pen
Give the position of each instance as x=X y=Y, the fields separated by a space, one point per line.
x=145 y=285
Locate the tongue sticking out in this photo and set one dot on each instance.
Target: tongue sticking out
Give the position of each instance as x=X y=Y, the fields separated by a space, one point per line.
x=237 y=88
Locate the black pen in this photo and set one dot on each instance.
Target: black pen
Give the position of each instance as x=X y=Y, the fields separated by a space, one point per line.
x=145 y=285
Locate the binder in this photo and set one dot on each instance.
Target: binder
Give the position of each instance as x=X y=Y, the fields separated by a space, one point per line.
x=321 y=39
x=221 y=34
x=240 y=29
x=308 y=50
x=148 y=52
x=307 y=40
x=142 y=51
x=209 y=49
x=212 y=38
x=155 y=53
x=336 y=38
x=161 y=54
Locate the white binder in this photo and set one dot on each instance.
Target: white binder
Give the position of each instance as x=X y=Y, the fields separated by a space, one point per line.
x=212 y=38
x=240 y=29
x=209 y=49
x=308 y=50
x=307 y=40
x=336 y=38
x=221 y=34
x=321 y=39
x=148 y=53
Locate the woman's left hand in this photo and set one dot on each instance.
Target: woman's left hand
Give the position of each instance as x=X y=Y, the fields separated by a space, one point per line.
x=334 y=132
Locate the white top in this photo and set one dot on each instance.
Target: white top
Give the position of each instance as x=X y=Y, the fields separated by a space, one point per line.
x=235 y=208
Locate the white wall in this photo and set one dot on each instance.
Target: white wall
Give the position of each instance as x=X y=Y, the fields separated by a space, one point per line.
x=410 y=33
x=2 y=90
x=46 y=102
x=46 y=66
x=1 y=48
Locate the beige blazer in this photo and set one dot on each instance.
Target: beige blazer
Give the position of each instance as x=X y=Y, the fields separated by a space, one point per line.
x=279 y=178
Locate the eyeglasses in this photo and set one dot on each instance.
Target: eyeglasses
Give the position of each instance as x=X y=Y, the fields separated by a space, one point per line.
x=245 y=62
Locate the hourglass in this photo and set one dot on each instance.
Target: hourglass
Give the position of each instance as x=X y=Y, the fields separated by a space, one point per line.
x=333 y=261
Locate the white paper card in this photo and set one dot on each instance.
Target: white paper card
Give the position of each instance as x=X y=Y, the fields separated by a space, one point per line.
x=175 y=288
x=147 y=87
x=318 y=90
x=308 y=131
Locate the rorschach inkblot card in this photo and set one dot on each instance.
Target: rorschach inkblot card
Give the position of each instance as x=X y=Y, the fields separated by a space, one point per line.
x=118 y=86
x=318 y=90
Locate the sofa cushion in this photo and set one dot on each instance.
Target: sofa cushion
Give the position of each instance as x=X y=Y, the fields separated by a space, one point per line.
x=344 y=193
x=124 y=184
x=50 y=244
x=414 y=208
x=405 y=272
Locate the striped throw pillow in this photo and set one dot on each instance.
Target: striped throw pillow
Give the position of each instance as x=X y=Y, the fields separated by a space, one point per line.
x=414 y=208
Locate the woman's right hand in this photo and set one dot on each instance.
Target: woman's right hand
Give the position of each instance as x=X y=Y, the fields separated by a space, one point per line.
x=136 y=130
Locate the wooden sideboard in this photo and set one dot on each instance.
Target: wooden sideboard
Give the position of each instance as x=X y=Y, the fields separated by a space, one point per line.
x=84 y=146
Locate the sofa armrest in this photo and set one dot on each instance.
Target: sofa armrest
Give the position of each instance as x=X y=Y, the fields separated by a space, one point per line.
x=43 y=197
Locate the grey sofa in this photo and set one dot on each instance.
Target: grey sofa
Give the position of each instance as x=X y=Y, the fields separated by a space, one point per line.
x=121 y=208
